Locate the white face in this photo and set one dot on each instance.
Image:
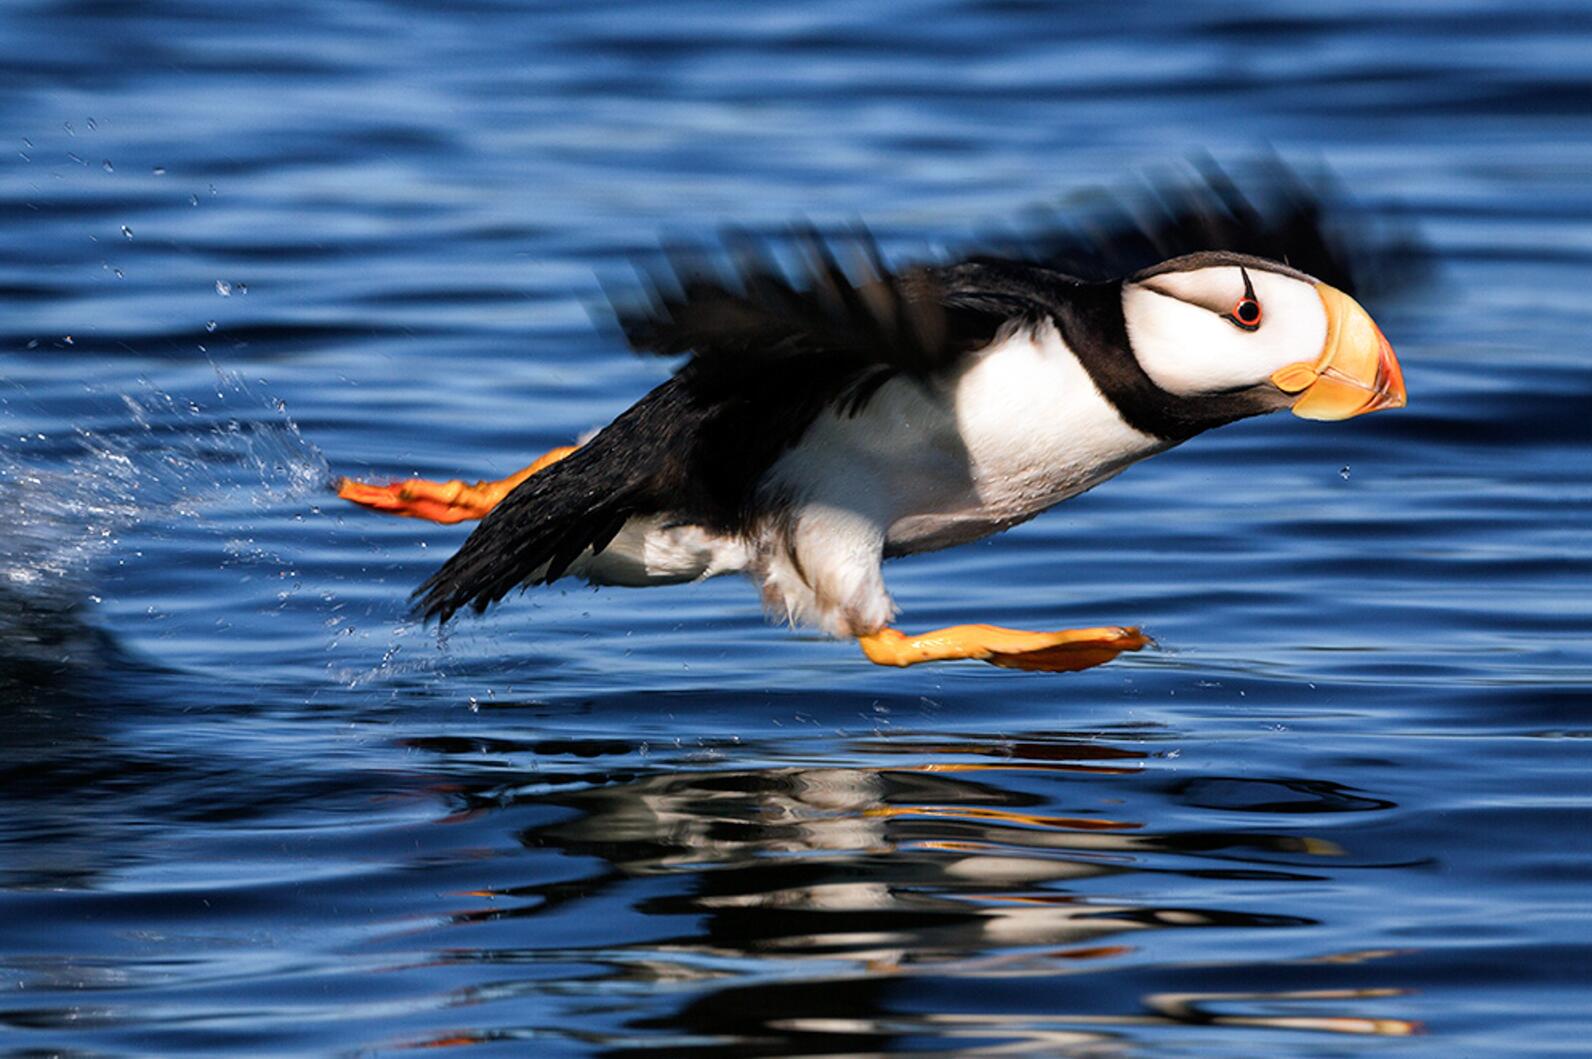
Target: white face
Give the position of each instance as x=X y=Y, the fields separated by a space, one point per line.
x=1197 y=331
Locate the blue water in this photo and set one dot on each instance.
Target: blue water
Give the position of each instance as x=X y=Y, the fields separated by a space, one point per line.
x=248 y=808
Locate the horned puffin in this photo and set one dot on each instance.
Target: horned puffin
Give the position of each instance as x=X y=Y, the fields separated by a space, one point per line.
x=832 y=412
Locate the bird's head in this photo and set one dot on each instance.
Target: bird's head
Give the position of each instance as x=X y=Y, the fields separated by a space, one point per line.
x=1221 y=323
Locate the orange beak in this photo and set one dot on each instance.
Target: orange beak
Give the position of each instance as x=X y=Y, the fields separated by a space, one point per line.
x=1356 y=371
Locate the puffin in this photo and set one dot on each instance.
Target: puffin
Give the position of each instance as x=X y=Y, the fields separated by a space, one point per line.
x=831 y=411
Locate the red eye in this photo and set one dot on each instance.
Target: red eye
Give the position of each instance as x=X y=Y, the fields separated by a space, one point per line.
x=1246 y=314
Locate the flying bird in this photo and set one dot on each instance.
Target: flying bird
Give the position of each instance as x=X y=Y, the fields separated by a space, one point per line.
x=833 y=412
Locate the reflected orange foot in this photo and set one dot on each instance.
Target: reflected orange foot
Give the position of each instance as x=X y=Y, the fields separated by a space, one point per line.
x=1051 y=652
x=445 y=502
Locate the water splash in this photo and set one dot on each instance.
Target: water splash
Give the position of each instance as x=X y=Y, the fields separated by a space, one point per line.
x=148 y=456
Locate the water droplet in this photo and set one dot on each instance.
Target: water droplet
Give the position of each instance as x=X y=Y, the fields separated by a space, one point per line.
x=127 y=233
x=1343 y=472
x=76 y=158
x=117 y=272
x=68 y=340
x=193 y=200
x=27 y=143
x=92 y=124
x=159 y=170
x=106 y=165
x=67 y=125
x=212 y=189
x=241 y=288
x=223 y=288
x=210 y=325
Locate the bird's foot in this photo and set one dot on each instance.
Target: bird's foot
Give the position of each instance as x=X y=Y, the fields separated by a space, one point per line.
x=1051 y=652
x=447 y=502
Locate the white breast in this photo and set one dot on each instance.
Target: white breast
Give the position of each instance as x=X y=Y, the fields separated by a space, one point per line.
x=1036 y=428
x=1020 y=428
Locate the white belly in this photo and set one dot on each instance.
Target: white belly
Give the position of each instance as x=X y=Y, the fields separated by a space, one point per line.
x=656 y=551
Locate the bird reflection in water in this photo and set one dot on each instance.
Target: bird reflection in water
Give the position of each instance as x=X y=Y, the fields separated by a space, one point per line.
x=856 y=907
x=1070 y=1034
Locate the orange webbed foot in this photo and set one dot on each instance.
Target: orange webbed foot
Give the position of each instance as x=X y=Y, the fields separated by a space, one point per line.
x=1052 y=652
x=445 y=502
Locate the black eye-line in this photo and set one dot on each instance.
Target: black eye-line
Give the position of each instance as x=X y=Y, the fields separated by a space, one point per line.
x=1249 y=297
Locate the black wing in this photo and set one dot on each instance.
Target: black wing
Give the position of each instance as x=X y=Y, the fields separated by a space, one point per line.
x=833 y=316
x=1264 y=209
x=740 y=312
x=635 y=466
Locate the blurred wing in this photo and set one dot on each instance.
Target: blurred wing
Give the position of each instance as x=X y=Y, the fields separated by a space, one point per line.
x=745 y=316
x=1265 y=209
x=834 y=307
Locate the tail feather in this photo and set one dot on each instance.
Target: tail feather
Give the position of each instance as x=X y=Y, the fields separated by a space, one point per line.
x=532 y=537
x=632 y=467
x=530 y=542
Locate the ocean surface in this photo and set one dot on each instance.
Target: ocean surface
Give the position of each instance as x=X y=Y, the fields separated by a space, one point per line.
x=248 y=807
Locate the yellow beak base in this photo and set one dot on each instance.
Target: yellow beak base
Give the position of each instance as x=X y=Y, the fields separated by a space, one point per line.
x=1356 y=372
